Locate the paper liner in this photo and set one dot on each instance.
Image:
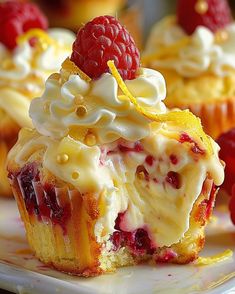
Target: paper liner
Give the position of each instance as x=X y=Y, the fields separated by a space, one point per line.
x=66 y=242
x=69 y=244
x=217 y=117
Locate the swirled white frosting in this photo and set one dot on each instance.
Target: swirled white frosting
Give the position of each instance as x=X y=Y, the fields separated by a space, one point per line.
x=27 y=70
x=109 y=115
x=202 y=54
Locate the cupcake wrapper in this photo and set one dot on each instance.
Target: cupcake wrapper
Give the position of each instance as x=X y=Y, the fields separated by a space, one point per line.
x=54 y=221
x=60 y=226
x=216 y=118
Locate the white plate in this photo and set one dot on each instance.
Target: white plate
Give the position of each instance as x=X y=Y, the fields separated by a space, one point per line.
x=20 y=272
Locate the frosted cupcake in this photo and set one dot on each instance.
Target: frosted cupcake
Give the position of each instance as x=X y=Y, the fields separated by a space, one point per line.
x=102 y=179
x=28 y=55
x=195 y=51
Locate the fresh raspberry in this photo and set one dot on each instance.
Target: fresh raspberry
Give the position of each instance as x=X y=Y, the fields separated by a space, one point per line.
x=101 y=40
x=216 y=16
x=232 y=205
x=227 y=154
x=17 y=18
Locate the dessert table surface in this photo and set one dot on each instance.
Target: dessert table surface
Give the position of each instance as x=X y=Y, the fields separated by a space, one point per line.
x=21 y=272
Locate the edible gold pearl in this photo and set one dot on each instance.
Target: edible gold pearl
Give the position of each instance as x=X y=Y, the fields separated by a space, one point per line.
x=90 y=139
x=78 y=99
x=221 y=36
x=201 y=7
x=81 y=110
x=75 y=175
x=62 y=158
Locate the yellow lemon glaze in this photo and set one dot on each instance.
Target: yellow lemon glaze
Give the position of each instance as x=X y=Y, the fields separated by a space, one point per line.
x=215 y=258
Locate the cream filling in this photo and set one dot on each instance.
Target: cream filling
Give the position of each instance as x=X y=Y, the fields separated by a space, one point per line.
x=202 y=54
x=153 y=204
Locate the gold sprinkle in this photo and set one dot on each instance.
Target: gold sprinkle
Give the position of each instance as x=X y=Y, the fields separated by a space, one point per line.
x=78 y=99
x=75 y=175
x=221 y=36
x=201 y=7
x=71 y=67
x=62 y=158
x=81 y=110
x=90 y=139
x=46 y=106
x=141 y=175
x=55 y=76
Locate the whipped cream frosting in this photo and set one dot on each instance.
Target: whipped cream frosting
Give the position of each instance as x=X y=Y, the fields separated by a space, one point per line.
x=109 y=115
x=202 y=53
x=24 y=70
x=150 y=203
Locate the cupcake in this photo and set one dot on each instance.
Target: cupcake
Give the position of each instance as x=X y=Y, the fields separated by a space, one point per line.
x=73 y=14
x=102 y=179
x=195 y=52
x=29 y=53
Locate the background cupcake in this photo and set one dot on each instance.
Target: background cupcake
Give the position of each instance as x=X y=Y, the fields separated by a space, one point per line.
x=72 y=14
x=195 y=51
x=29 y=53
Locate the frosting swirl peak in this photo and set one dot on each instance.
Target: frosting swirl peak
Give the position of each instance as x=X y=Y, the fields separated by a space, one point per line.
x=75 y=107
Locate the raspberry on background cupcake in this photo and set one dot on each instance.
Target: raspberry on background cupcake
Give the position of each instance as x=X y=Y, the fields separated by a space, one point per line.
x=102 y=179
x=29 y=53
x=195 y=51
x=232 y=205
x=226 y=142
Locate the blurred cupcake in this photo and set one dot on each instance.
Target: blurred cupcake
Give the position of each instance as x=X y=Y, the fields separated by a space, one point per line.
x=101 y=182
x=28 y=55
x=195 y=51
x=72 y=14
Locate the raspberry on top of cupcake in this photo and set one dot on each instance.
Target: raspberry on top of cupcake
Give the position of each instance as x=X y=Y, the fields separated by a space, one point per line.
x=102 y=179
x=195 y=51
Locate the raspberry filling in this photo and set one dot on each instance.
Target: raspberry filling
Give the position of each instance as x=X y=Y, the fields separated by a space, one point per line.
x=173 y=179
x=27 y=175
x=195 y=147
x=41 y=200
x=137 y=148
x=137 y=241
